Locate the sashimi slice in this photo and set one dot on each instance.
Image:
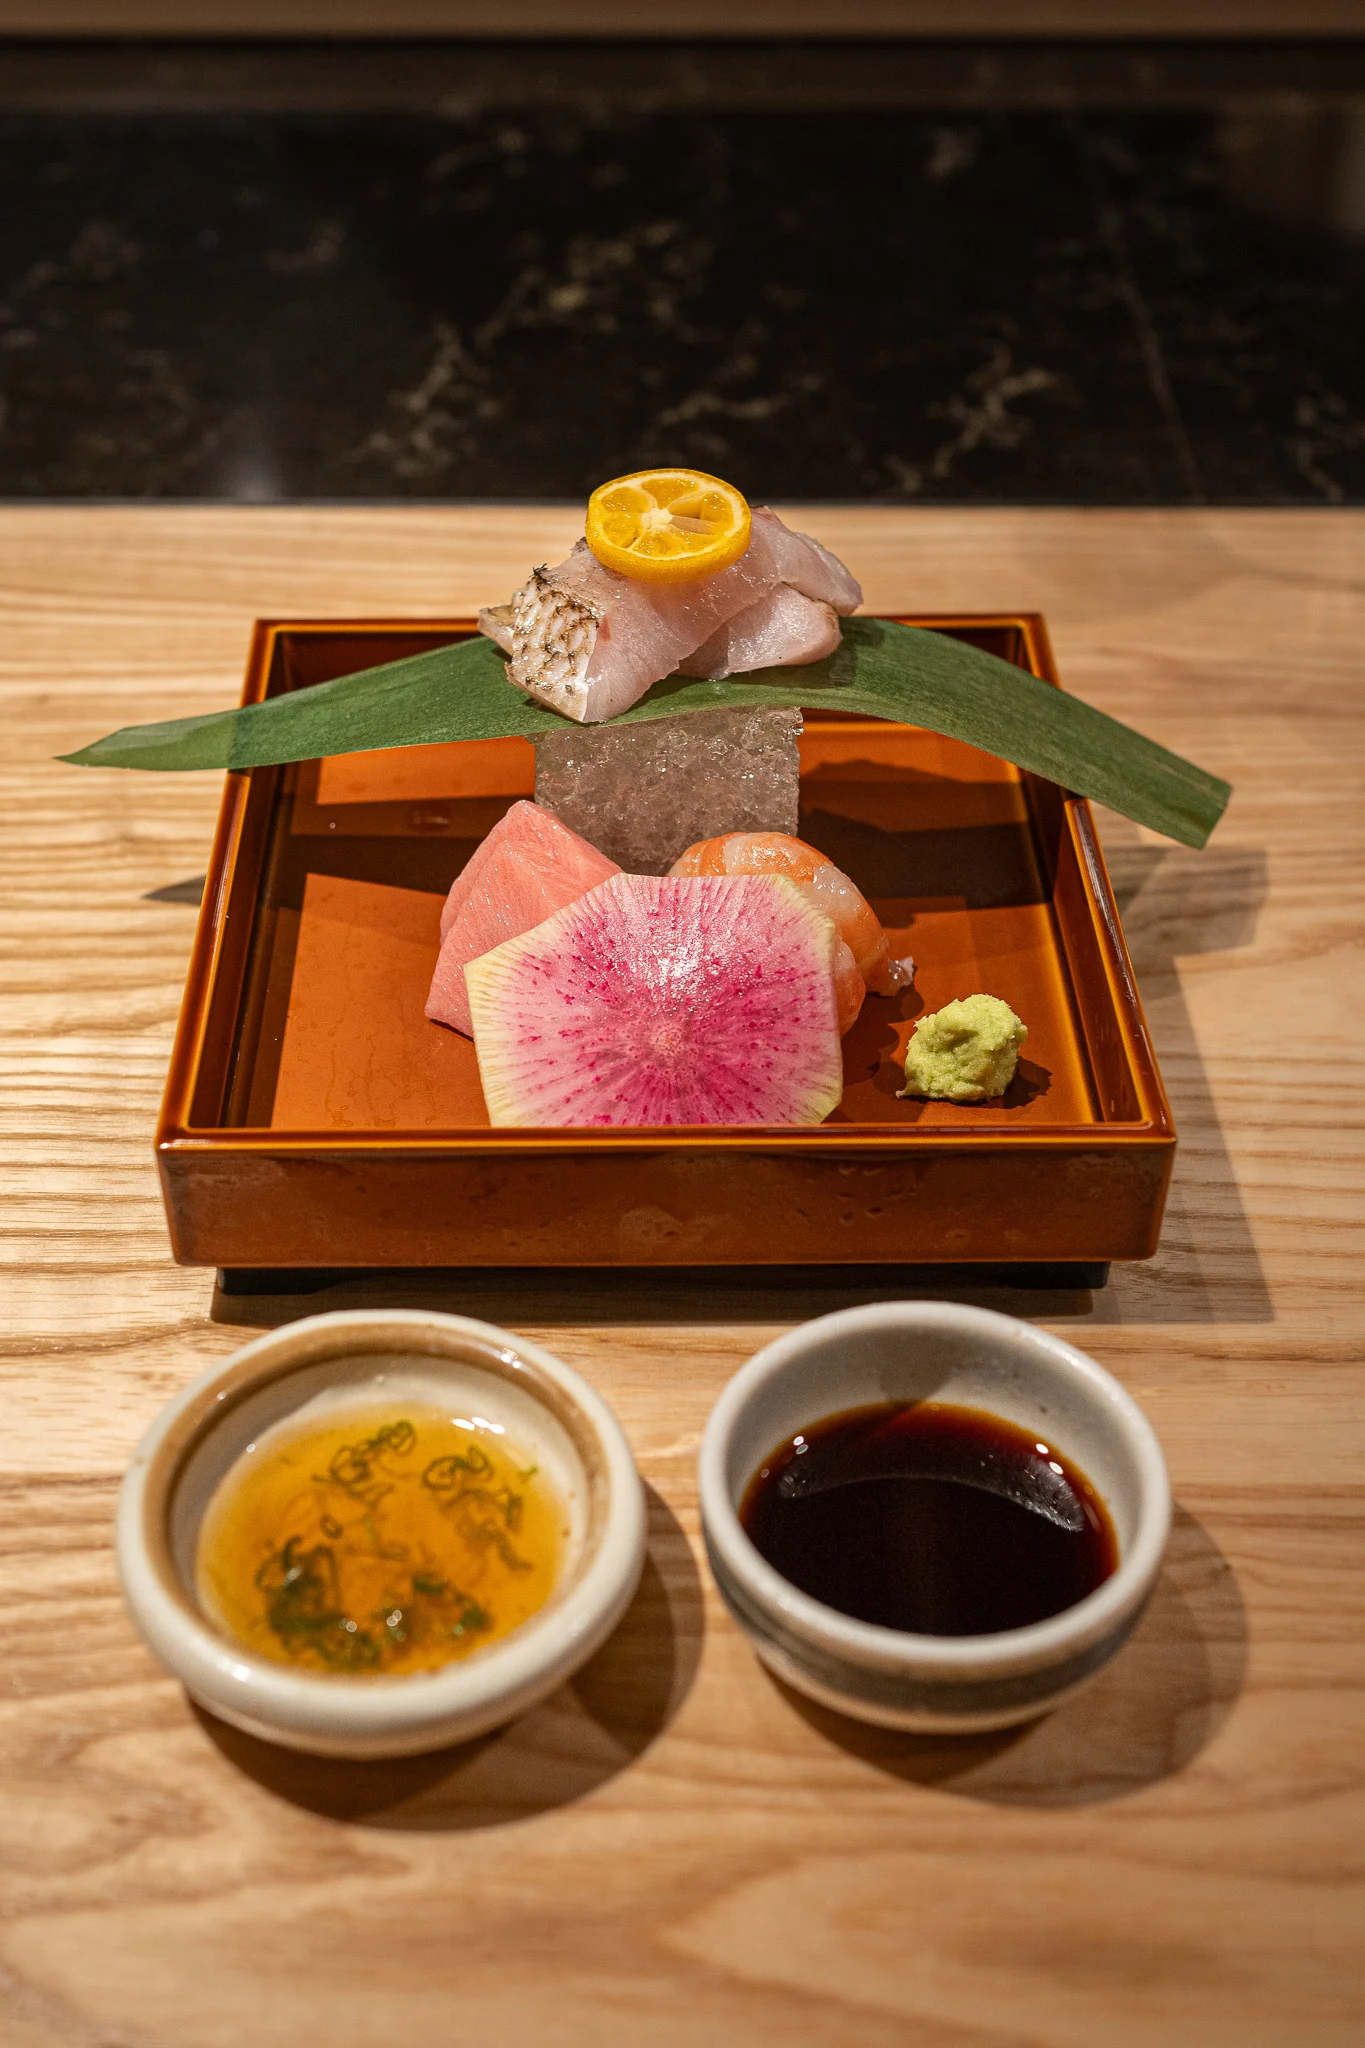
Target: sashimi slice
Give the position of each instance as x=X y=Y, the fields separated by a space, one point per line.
x=809 y=567
x=546 y=841
x=529 y=866
x=863 y=957
x=783 y=630
x=653 y=1000
x=589 y=643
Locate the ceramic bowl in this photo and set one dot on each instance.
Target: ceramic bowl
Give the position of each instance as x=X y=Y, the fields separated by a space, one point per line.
x=934 y=1351
x=325 y=1363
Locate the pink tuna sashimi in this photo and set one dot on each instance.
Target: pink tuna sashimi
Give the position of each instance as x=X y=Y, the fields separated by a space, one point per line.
x=588 y=643
x=656 y=1000
x=545 y=839
x=783 y=630
x=529 y=866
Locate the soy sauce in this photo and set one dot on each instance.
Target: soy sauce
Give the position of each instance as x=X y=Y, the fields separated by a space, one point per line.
x=941 y=1520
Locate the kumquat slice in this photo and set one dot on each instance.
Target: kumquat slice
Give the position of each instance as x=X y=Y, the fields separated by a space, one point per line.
x=667 y=525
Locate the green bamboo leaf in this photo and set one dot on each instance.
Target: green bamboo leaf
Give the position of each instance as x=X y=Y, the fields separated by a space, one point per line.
x=904 y=673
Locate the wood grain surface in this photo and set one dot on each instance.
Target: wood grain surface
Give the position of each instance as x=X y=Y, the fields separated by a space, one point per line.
x=672 y=1850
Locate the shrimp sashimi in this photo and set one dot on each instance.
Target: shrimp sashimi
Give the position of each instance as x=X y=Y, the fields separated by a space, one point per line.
x=863 y=957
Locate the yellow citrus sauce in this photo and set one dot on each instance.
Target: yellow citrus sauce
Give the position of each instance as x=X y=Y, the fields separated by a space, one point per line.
x=379 y=1542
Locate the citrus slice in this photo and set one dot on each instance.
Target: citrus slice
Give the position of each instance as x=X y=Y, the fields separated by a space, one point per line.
x=667 y=525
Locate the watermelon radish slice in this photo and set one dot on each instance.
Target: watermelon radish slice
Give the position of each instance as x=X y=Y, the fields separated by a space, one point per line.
x=529 y=866
x=654 y=999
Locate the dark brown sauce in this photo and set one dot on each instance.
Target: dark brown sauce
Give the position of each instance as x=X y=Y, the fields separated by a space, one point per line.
x=940 y=1520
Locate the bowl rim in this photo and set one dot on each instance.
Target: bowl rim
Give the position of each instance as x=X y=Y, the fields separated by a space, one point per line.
x=896 y=1652
x=225 y=1675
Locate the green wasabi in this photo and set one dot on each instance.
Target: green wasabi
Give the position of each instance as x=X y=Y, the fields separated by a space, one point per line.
x=965 y=1052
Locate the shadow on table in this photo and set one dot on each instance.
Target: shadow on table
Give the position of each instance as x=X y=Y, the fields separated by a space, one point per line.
x=1177 y=904
x=586 y=1732
x=1146 y=1717
x=522 y=1297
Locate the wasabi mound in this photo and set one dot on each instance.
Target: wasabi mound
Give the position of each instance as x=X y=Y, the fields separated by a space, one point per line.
x=965 y=1052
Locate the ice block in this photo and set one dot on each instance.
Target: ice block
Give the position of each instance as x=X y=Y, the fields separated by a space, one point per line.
x=644 y=791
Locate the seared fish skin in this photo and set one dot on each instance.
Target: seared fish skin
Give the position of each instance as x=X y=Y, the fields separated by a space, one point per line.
x=588 y=643
x=496 y=620
x=554 y=632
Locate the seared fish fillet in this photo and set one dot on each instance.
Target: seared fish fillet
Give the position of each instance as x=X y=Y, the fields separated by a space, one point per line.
x=588 y=643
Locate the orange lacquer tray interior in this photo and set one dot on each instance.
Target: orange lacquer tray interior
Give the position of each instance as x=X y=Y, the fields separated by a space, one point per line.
x=314 y=1117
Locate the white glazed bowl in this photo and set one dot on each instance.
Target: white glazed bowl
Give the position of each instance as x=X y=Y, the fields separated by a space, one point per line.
x=933 y=1351
x=336 y=1359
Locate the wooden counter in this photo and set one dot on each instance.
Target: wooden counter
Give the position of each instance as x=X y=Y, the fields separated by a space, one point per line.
x=672 y=1850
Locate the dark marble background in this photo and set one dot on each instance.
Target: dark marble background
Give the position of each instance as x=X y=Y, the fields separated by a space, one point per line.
x=1133 y=277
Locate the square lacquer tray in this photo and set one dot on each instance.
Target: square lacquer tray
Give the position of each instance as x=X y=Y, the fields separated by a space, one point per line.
x=314 y=1118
